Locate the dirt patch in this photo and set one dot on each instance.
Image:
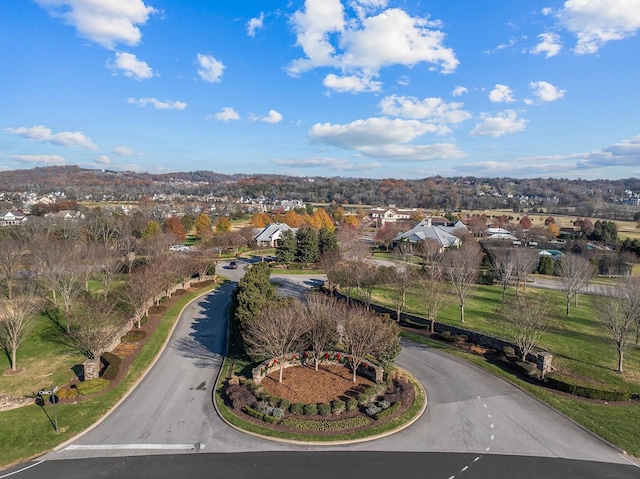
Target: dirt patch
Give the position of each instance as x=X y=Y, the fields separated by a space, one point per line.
x=306 y=385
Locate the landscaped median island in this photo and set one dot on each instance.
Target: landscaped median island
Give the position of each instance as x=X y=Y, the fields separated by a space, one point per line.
x=319 y=405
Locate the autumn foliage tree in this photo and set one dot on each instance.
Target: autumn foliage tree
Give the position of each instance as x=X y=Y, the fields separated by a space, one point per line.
x=174 y=226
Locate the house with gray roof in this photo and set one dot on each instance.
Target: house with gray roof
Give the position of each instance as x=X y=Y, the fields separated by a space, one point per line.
x=272 y=233
x=424 y=230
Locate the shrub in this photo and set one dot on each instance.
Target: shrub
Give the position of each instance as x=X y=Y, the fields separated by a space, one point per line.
x=324 y=409
x=253 y=412
x=240 y=396
x=389 y=411
x=310 y=409
x=110 y=359
x=352 y=404
x=133 y=336
x=338 y=407
x=92 y=386
x=373 y=409
x=508 y=351
x=111 y=372
x=157 y=309
x=384 y=404
x=297 y=408
x=277 y=413
x=325 y=425
x=284 y=404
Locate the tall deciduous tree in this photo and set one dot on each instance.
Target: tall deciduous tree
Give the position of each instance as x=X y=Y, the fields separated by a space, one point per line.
x=277 y=333
x=524 y=262
x=16 y=316
x=12 y=261
x=620 y=326
x=461 y=267
x=434 y=298
x=502 y=265
x=320 y=315
x=223 y=224
x=365 y=333
x=174 y=226
x=401 y=278
x=526 y=320
x=576 y=272
x=203 y=226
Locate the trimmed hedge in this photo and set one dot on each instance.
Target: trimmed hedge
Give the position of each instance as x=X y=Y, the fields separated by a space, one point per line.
x=389 y=411
x=324 y=424
x=92 y=386
x=113 y=366
x=578 y=388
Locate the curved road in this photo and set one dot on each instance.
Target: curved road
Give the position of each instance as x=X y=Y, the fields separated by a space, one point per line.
x=475 y=424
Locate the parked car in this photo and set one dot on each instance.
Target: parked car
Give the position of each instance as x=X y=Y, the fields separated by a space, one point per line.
x=233 y=265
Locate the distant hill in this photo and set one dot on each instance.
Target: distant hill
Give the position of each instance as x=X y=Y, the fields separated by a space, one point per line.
x=583 y=197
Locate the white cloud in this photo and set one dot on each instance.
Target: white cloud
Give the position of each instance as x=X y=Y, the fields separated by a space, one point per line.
x=625 y=153
x=545 y=91
x=102 y=160
x=255 y=24
x=373 y=131
x=512 y=41
x=131 y=66
x=351 y=83
x=430 y=109
x=596 y=22
x=549 y=45
x=400 y=153
x=106 y=22
x=273 y=117
x=227 y=114
x=361 y=46
x=459 y=91
x=123 y=151
x=158 y=104
x=41 y=159
x=495 y=126
x=331 y=163
x=501 y=94
x=43 y=134
x=210 y=69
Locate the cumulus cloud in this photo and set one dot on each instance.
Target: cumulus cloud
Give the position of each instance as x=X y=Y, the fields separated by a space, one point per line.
x=549 y=45
x=546 y=92
x=131 y=66
x=414 y=153
x=106 y=22
x=501 y=94
x=331 y=163
x=367 y=43
x=459 y=91
x=501 y=124
x=102 y=160
x=210 y=69
x=429 y=109
x=157 y=104
x=255 y=24
x=44 y=135
x=596 y=22
x=351 y=83
x=123 y=151
x=227 y=114
x=624 y=153
x=47 y=160
x=273 y=117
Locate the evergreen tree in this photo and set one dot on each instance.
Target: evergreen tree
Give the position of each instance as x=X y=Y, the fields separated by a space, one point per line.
x=327 y=240
x=287 y=246
x=308 y=250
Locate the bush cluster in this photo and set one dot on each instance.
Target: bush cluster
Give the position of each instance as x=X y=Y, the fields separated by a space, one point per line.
x=133 y=336
x=454 y=338
x=325 y=425
x=338 y=407
x=388 y=411
x=92 y=386
x=240 y=396
x=67 y=393
x=324 y=409
x=310 y=409
x=112 y=363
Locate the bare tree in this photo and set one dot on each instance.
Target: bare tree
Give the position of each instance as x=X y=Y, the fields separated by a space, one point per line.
x=576 y=272
x=351 y=246
x=618 y=321
x=320 y=314
x=139 y=292
x=524 y=262
x=629 y=293
x=202 y=262
x=460 y=267
x=128 y=246
x=401 y=278
x=431 y=251
x=365 y=333
x=502 y=265
x=435 y=298
x=16 y=316
x=106 y=264
x=329 y=261
x=94 y=323
x=526 y=320
x=277 y=333
x=11 y=262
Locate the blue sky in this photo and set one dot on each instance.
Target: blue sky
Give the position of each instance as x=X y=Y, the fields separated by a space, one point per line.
x=360 y=88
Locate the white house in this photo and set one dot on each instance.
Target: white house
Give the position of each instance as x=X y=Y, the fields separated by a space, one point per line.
x=12 y=218
x=271 y=234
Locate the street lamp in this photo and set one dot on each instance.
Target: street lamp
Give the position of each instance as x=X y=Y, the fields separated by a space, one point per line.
x=54 y=399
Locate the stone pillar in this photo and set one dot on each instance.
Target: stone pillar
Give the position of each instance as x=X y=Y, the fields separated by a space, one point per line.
x=544 y=362
x=91 y=369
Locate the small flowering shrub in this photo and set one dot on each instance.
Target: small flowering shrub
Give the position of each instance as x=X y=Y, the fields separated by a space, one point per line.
x=324 y=409
x=325 y=425
x=310 y=409
x=338 y=407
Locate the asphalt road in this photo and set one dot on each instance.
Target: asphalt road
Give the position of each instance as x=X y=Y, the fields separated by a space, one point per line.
x=476 y=425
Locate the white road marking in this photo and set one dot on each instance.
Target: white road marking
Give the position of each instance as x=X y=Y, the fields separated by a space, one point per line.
x=20 y=470
x=109 y=447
